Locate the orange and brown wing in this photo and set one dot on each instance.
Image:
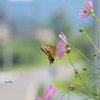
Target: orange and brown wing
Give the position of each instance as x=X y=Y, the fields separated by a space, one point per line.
x=50 y=51
x=55 y=50
x=46 y=48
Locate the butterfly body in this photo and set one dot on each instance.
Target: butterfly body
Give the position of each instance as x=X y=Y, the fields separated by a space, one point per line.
x=50 y=51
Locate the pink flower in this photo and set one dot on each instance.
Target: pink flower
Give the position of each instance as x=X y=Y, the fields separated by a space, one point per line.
x=62 y=36
x=48 y=93
x=99 y=50
x=65 y=0
x=39 y=98
x=89 y=9
x=61 y=46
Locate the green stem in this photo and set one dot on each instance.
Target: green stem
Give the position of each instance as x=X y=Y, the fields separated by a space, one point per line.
x=71 y=62
x=87 y=87
x=86 y=5
x=83 y=80
x=85 y=57
x=97 y=19
x=91 y=41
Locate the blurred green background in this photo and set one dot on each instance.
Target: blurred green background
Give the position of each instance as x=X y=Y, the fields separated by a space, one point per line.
x=27 y=24
x=25 y=42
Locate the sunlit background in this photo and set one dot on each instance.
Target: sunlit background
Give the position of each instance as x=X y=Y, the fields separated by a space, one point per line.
x=25 y=72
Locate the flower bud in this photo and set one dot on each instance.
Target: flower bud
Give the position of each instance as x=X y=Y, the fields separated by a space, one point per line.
x=94 y=86
x=81 y=29
x=91 y=12
x=84 y=68
x=94 y=93
x=97 y=57
x=68 y=50
x=70 y=87
x=94 y=54
x=76 y=72
x=85 y=10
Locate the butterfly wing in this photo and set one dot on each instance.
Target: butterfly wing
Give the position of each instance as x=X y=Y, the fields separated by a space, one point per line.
x=55 y=50
x=46 y=49
x=50 y=51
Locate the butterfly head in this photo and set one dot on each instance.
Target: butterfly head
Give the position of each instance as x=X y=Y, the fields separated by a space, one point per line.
x=51 y=59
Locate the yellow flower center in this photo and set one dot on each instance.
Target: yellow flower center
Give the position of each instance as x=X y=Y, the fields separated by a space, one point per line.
x=43 y=98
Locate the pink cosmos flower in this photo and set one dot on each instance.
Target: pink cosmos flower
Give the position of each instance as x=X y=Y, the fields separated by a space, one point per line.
x=61 y=46
x=48 y=93
x=85 y=15
x=99 y=50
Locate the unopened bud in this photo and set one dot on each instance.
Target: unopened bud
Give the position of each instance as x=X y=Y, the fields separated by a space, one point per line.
x=71 y=87
x=97 y=57
x=68 y=50
x=76 y=72
x=81 y=29
x=94 y=86
x=85 y=10
x=94 y=54
x=84 y=68
x=91 y=12
x=94 y=93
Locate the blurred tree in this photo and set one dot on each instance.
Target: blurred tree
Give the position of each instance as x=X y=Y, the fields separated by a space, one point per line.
x=5 y=40
x=26 y=52
x=60 y=23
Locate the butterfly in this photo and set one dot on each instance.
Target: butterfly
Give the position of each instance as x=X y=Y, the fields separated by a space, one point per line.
x=50 y=51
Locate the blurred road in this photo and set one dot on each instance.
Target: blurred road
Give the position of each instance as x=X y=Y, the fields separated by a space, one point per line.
x=25 y=85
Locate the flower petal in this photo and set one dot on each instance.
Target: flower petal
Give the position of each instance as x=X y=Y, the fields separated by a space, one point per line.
x=62 y=36
x=38 y=98
x=70 y=86
x=85 y=7
x=89 y=4
x=84 y=15
x=60 y=53
x=61 y=45
x=49 y=92
x=99 y=50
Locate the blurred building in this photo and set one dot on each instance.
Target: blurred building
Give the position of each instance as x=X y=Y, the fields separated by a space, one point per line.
x=45 y=35
x=5 y=40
